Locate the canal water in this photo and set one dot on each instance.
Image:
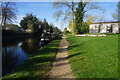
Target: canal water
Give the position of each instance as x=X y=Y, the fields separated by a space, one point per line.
x=16 y=52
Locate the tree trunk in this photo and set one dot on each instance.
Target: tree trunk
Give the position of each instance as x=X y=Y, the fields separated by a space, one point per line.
x=73 y=25
x=2 y=17
x=4 y=22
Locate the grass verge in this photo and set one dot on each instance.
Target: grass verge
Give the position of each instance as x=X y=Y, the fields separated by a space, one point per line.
x=38 y=64
x=94 y=57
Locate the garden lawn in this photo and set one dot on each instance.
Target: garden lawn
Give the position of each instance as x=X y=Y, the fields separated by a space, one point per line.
x=94 y=57
x=38 y=64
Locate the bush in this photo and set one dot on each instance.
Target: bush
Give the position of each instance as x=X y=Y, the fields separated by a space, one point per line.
x=82 y=28
x=85 y=27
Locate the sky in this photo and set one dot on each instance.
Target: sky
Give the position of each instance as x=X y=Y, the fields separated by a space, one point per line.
x=45 y=10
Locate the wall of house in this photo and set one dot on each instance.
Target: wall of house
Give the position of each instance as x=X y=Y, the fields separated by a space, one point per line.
x=104 y=28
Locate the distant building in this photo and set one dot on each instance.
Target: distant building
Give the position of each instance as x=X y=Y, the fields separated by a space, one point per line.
x=104 y=27
x=7 y=28
x=13 y=28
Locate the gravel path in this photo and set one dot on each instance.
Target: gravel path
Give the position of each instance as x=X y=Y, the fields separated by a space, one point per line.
x=61 y=67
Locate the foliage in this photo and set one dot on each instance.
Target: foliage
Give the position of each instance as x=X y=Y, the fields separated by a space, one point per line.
x=65 y=30
x=79 y=15
x=46 y=26
x=71 y=27
x=8 y=12
x=95 y=57
x=30 y=22
x=38 y=65
x=56 y=30
x=85 y=27
x=80 y=26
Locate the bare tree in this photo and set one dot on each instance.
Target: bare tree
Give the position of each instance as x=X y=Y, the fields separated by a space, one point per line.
x=119 y=14
x=100 y=17
x=8 y=13
x=91 y=18
x=116 y=14
x=68 y=13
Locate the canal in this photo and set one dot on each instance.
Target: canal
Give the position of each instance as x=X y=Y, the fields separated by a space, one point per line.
x=14 y=53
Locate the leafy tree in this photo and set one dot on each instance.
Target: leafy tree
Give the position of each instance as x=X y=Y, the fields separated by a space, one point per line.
x=79 y=15
x=55 y=29
x=85 y=26
x=51 y=28
x=82 y=8
x=30 y=22
x=46 y=25
x=8 y=12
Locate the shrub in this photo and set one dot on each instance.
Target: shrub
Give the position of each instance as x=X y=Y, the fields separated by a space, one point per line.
x=82 y=28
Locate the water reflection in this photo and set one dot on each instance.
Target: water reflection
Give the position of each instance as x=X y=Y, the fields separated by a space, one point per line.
x=29 y=46
x=8 y=60
x=14 y=53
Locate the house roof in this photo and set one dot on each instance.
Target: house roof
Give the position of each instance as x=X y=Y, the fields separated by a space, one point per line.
x=106 y=22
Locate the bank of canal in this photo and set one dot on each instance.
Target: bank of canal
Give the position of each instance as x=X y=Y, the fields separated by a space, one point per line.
x=14 y=53
x=38 y=64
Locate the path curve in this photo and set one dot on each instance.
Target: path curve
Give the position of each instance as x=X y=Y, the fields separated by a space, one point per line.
x=61 y=67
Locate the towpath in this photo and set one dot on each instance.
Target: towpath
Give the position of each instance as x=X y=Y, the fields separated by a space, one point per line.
x=61 y=67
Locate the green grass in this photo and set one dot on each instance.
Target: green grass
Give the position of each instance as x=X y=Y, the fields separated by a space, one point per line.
x=94 y=57
x=38 y=65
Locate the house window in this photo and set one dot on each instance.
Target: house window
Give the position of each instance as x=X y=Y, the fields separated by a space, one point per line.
x=109 y=28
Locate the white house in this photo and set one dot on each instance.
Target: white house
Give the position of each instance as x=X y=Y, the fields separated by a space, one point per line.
x=104 y=27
